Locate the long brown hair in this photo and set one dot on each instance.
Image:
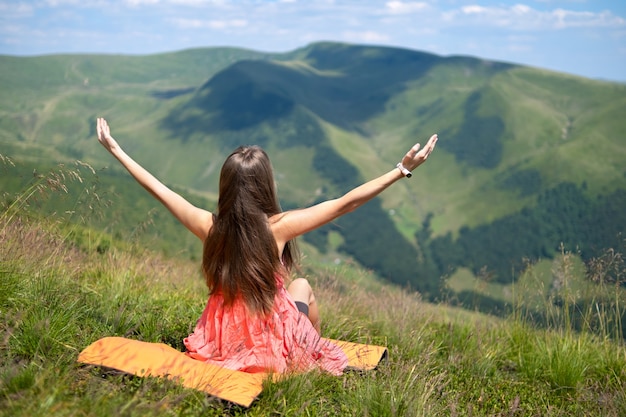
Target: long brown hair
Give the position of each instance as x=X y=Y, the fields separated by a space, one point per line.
x=240 y=257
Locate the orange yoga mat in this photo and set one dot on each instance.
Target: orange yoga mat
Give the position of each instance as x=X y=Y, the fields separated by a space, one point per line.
x=160 y=360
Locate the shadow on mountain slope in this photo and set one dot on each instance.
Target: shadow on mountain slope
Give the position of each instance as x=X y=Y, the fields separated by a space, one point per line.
x=343 y=85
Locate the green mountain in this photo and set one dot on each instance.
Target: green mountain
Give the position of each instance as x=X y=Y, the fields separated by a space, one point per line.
x=527 y=158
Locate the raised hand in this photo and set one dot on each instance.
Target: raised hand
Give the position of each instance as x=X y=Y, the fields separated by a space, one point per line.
x=416 y=157
x=104 y=135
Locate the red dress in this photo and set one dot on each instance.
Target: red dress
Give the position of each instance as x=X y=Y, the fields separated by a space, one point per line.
x=284 y=341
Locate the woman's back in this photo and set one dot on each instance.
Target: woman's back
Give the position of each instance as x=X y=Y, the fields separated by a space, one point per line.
x=241 y=256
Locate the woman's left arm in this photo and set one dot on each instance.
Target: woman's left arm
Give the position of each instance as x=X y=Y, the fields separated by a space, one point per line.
x=297 y=222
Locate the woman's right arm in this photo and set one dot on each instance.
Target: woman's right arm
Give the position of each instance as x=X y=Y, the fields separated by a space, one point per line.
x=197 y=220
x=297 y=222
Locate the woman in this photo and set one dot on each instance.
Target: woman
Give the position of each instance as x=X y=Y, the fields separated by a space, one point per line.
x=251 y=321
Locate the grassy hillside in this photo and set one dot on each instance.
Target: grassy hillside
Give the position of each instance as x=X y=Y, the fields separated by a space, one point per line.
x=332 y=115
x=58 y=294
x=48 y=103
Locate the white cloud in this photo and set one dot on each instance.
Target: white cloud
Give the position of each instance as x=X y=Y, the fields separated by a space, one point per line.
x=474 y=9
x=135 y=3
x=523 y=17
x=222 y=24
x=567 y=18
x=400 y=7
x=211 y=24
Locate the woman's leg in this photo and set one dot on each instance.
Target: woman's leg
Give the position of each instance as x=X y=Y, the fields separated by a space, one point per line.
x=301 y=291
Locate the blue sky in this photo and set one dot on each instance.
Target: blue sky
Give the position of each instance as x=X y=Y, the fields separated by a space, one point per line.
x=581 y=37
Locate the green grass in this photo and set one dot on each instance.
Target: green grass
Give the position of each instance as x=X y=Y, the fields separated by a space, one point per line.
x=561 y=293
x=59 y=293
